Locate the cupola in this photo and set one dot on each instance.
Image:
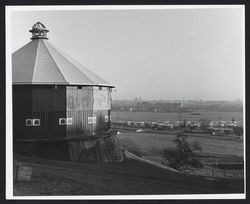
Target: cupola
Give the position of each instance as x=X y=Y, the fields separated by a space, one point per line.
x=39 y=31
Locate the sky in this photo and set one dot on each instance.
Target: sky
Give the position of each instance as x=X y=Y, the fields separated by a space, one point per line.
x=167 y=54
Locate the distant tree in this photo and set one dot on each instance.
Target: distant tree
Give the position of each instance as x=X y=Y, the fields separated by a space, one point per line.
x=182 y=156
x=204 y=124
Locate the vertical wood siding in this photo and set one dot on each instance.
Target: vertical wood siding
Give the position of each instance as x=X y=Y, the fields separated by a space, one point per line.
x=22 y=109
x=38 y=102
x=49 y=104
x=79 y=108
x=87 y=102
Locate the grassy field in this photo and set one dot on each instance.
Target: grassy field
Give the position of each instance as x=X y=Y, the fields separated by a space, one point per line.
x=214 y=150
x=149 y=116
x=150 y=143
x=131 y=177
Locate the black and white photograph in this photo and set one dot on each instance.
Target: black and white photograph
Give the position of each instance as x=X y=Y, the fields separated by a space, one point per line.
x=135 y=102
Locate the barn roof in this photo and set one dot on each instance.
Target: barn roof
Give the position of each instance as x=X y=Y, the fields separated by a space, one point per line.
x=40 y=62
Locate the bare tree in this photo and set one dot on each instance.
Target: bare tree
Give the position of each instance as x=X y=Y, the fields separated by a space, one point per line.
x=182 y=156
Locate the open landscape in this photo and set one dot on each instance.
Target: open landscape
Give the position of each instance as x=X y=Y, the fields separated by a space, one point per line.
x=222 y=156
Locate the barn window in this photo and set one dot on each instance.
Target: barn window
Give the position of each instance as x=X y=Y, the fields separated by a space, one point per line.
x=69 y=121
x=36 y=122
x=91 y=120
x=62 y=121
x=65 y=121
x=29 y=122
x=106 y=118
x=79 y=87
x=100 y=88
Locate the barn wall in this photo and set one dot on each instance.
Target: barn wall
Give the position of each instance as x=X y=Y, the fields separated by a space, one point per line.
x=38 y=102
x=102 y=100
x=22 y=109
x=84 y=102
x=79 y=108
x=102 y=108
x=49 y=104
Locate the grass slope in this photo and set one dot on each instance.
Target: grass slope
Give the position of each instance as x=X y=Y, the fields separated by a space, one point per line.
x=122 y=178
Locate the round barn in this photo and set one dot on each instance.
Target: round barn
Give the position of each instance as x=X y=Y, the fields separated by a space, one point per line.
x=61 y=109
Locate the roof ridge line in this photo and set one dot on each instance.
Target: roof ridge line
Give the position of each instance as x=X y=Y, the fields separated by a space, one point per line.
x=35 y=61
x=63 y=54
x=54 y=62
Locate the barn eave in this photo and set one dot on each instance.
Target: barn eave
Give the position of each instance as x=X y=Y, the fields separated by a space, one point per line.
x=65 y=84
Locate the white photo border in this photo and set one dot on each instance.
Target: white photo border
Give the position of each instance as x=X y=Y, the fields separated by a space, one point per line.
x=9 y=125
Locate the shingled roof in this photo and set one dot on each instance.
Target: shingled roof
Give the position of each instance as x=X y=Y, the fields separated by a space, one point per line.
x=40 y=62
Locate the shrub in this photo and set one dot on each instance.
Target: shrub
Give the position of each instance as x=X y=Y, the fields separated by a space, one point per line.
x=181 y=157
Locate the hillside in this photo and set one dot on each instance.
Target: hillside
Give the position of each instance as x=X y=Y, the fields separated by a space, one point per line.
x=122 y=178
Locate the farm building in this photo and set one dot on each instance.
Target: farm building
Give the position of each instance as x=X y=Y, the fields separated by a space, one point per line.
x=60 y=108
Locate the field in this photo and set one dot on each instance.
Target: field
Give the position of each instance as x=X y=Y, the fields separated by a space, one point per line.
x=228 y=153
x=153 y=141
x=149 y=116
x=151 y=144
